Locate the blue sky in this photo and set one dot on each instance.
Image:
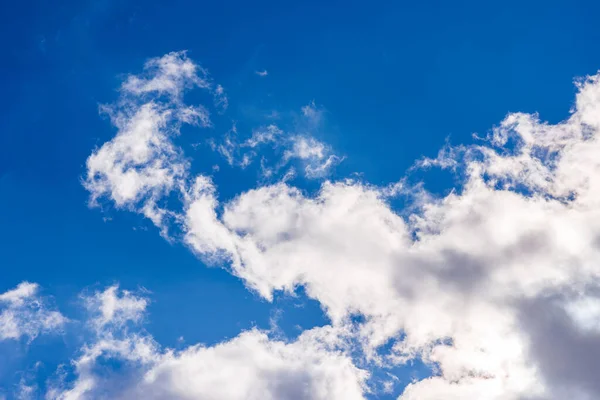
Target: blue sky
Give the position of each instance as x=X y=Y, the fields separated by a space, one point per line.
x=373 y=88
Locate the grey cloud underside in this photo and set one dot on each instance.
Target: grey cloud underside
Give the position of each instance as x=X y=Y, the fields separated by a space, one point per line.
x=568 y=357
x=484 y=283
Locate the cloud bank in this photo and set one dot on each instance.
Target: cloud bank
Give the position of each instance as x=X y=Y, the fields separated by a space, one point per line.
x=494 y=286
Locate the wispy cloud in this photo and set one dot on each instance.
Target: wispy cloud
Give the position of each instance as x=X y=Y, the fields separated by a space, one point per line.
x=312 y=113
x=140 y=165
x=262 y=73
x=221 y=100
x=317 y=157
x=24 y=313
x=170 y=74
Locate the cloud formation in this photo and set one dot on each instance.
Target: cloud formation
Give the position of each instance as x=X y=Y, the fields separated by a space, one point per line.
x=140 y=165
x=493 y=285
x=317 y=156
x=25 y=314
x=288 y=149
x=308 y=368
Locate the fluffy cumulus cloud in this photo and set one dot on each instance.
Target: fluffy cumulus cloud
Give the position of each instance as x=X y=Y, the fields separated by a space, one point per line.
x=249 y=366
x=494 y=285
x=140 y=164
x=25 y=314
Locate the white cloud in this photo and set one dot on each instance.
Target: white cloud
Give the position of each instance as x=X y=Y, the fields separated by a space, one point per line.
x=170 y=74
x=235 y=150
x=315 y=154
x=113 y=308
x=520 y=229
x=20 y=294
x=585 y=312
x=140 y=161
x=23 y=313
x=27 y=388
x=221 y=100
x=204 y=230
x=140 y=165
x=268 y=134
x=494 y=284
x=307 y=148
x=113 y=313
x=312 y=113
x=249 y=366
x=316 y=157
x=262 y=73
